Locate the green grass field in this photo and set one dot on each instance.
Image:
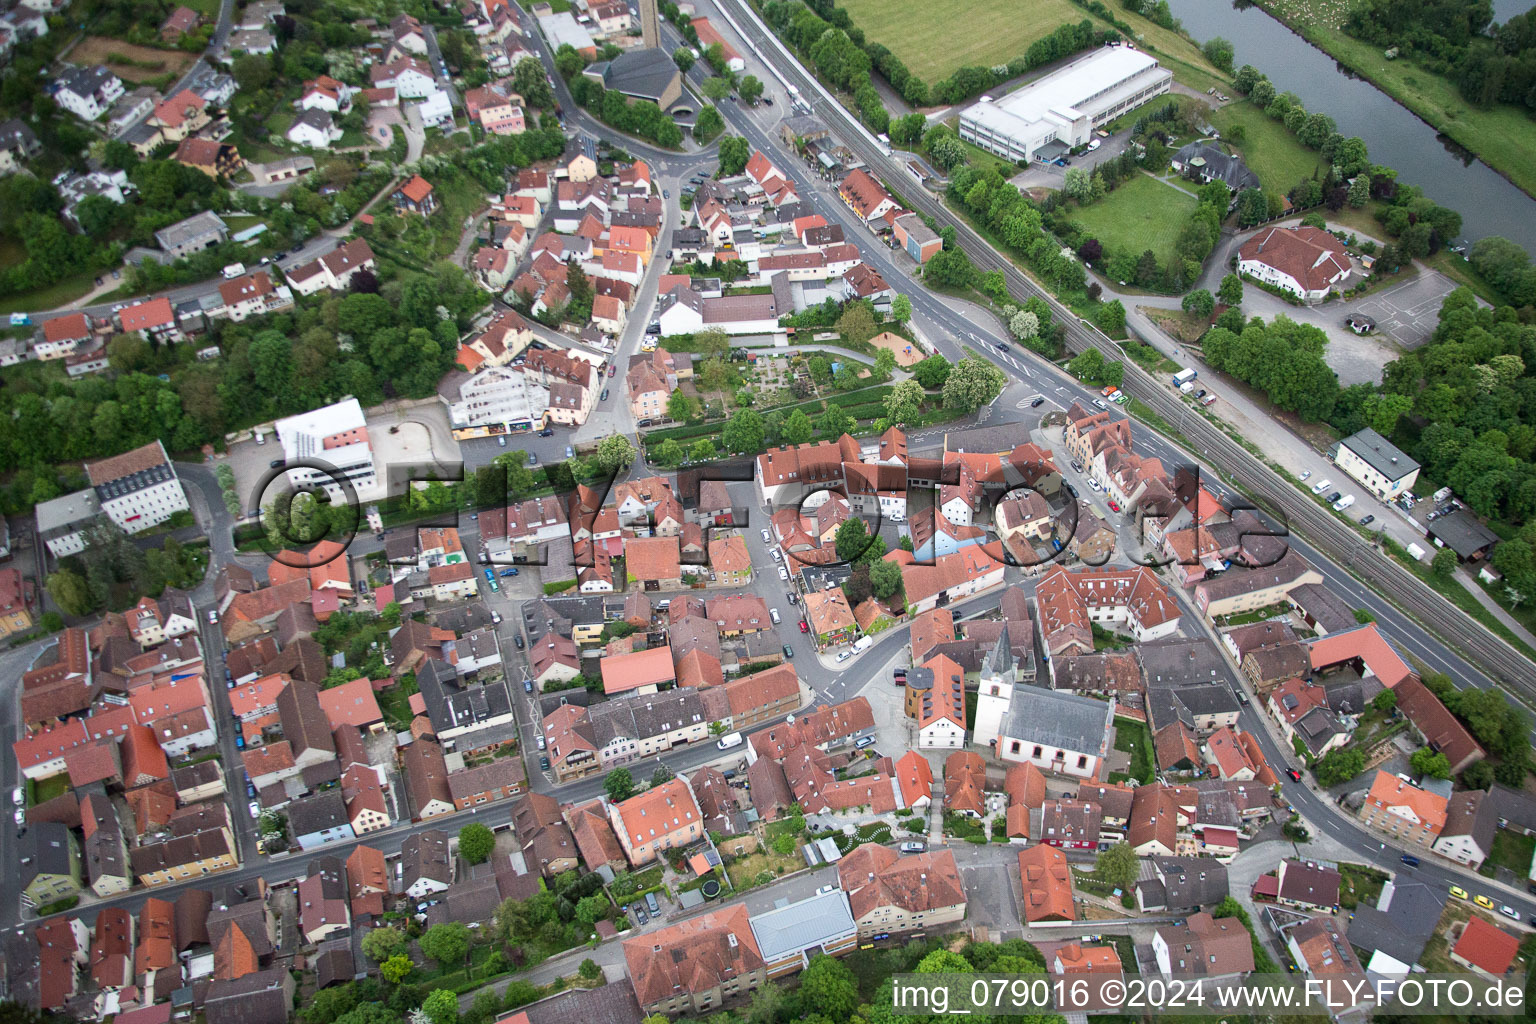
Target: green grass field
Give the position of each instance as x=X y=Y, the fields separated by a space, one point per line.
x=1501 y=136
x=1141 y=214
x=1267 y=148
x=934 y=37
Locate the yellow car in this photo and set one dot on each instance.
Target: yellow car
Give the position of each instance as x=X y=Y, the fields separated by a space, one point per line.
x=1459 y=892
x=1483 y=901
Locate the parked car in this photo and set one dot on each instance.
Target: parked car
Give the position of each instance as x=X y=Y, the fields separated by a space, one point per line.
x=1509 y=911
x=803 y=627
x=1036 y=403
x=604 y=396
x=826 y=890
x=789 y=652
x=766 y=536
x=783 y=574
x=518 y=640
x=914 y=846
x=1305 y=474
x=865 y=741
x=570 y=452
x=1367 y=520
x=1410 y=860
x=1294 y=774
x=527 y=685
x=547 y=432
x=640 y=914
x=544 y=763
x=1483 y=901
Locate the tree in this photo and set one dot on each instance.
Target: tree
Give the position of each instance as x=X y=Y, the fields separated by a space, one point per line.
x=1024 y=325
x=252 y=71
x=1089 y=366
x=619 y=785
x=683 y=58
x=1359 y=192
x=708 y=124
x=591 y=909
x=703 y=450
x=441 y=1006
x=1478 y=775
x=1118 y=866
x=851 y=539
x=679 y=406
x=589 y=971
x=1200 y=302
x=885 y=578
x=380 y=944
x=1219 y=52
x=716 y=88
x=396 y=968
x=446 y=943
x=901 y=309
x=1339 y=765
x=70 y=592
x=904 y=401
x=1385 y=701
x=750 y=89
x=857 y=323
x=829 y=988
x=1230 y=292
x=1444 y=564
x=1429 y=762
x=834 y=422
x=662 y=775
x=326 y=1005
x=735 y=151
x=476 y=843
x=931 y=373
x=743 y=431
x=972 y=383
x=614 y=452
x=1110 y=317
x=797 y=427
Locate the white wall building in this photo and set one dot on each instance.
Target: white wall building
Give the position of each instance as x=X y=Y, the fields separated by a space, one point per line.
x=88 y=92
x=1066 y=106
x=500 y=394
x=336 y=435
x=137 y=490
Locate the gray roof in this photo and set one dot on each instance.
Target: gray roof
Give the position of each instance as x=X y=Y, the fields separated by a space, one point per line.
x=1317 y=727
x=85 y=81
x=1401 y=922
x=44 y=850
x=265 y=997
x=1324 y=607
x=474 y=900
x=1191 y=881
x=317 y=813
x=806 y=924
x=1514 y=807
x=610 y=1004
x=643 y=73
x=316 y=118
x=193 y=227
x=1219 y=164
x=1462 y=533
x=1380 y=454
x=1350 y=698
x=66 y=514
x=1055 y=719
x=425 y=855
x=16 y=134
x=805 y=126
x=1166 y=705
x=643 y=715
x=1180 y=662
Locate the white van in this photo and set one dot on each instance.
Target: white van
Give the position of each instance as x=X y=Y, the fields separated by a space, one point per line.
x=773 y=613
x=261 y=438
x=233 y=271
x=1344 y=503
x=729 y=740
x=862 y=644
x=1321 y=486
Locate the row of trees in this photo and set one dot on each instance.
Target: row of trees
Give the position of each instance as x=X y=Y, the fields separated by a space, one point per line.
x=113 y=571
x=1282 y=358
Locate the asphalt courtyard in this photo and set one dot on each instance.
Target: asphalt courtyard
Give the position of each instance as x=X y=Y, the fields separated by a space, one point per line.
x=1409 y=312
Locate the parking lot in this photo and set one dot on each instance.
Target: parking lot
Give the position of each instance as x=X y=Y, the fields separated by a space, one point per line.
x=1409 y=311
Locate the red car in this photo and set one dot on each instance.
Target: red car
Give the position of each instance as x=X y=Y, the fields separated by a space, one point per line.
x=1294 y=774
x=803 y=627
x=1114 y=506
x=613 y=370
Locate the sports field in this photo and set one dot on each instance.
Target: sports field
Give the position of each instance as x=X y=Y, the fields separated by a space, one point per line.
x=1141 y=214
x=934 y=37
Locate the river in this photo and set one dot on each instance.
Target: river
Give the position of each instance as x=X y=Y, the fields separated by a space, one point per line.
x=1488 y=204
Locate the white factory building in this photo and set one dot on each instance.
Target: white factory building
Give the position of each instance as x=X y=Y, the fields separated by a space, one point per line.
x=336 y=436
x=1045 y=119
x=137 y=490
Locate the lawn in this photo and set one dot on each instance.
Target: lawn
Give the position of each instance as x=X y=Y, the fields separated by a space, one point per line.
x=52 y=297
x=1359 y=884
x=1267 y=148
x=934 y=37
x=1135 y=738
x=1141 y=214
x=1512 y=850
x=1501 y=136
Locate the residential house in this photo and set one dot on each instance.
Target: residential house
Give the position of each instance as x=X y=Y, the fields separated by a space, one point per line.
x=889 y=892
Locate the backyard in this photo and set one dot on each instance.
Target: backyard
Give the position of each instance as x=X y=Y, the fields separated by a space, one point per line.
x=130 y=62
x=1270 y=151
x=1512 y=850
x=1134 y=738
x=1141 y=214
x=1359 y=884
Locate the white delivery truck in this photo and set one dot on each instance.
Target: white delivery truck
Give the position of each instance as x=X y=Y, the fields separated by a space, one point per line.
x=233 y=271
x=729 y=740
x=1344 y=503
x=1184 y=377
x=863 y=644
x=1187 y=387
x=1417 y=552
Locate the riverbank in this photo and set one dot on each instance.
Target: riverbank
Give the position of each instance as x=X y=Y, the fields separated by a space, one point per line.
x=1502 y=137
